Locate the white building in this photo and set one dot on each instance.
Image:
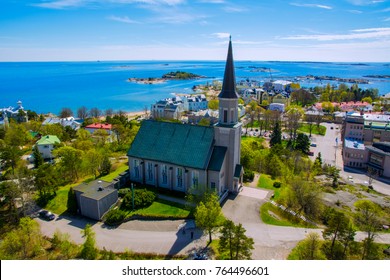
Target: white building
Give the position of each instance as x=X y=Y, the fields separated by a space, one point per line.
x=18 y=113
x=46 y=144
x=195 y=102
x=277 y=107
x=63 y=121
x=281 y=85
x=168 y=108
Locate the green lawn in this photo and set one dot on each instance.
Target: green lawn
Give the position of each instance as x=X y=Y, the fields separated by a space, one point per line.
x=321 y=130
x=267 y=218
x=114 y=174
x=58 y=204
x=266 y=182
x=161 y=208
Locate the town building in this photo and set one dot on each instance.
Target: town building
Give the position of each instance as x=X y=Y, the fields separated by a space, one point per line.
x=365 y=137
x=281 y=85
x=277 y=107
x=195 y=102
x=46 y=144
x=96 y=126
x=17 y=113
x=70 y=121
x=168 y=108
x=95 y=198
x=182 y=156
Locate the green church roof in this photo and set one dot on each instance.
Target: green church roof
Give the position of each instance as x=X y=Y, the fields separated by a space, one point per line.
x=174 y=143
x=48 y=140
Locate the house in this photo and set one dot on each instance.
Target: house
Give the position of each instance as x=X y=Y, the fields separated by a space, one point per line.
x=168 y=108
x=178 y=157
x=17 y=113
x=195 y=102
x=277 y=107
x=70 y=121
x=196 y=117
x=95 y=126
x=4 y=120
x=95 y=198
x=46 y=144
x=281 y=85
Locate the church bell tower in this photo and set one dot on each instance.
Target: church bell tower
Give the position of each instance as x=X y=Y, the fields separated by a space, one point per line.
x=228 y=129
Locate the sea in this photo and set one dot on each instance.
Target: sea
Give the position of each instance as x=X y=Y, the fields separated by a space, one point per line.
x=47 y=87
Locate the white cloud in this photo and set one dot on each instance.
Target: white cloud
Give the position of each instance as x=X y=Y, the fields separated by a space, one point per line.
x=368 y=33
x=122 y=19
x=212 y=1
x=221 y=35
x=62 y=4
x=355 y=11
x=231 y=9
x=312 y=6
x=65 y=4
x=365 y=2
x=387 y=19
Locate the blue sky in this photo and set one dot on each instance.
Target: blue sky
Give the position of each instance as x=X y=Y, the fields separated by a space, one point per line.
x=296 y=30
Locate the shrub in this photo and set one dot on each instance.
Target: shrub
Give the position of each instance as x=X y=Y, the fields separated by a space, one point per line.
x=114 y=217
x=249 y=175
x=277 y=185
x=142 y=199
x=123 y=192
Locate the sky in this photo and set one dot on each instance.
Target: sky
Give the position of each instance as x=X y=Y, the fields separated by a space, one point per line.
x=261 y=30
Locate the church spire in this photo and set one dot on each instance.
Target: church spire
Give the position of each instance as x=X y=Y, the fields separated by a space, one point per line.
x=229 y=79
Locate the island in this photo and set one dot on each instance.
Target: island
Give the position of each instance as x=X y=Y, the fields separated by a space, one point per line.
x=178 y=75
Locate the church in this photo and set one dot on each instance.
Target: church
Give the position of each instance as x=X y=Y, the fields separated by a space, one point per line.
x=180 y=156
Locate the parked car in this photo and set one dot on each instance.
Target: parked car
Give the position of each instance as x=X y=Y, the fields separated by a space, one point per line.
x=331 y=127
x=46 y=215
x=311 y=153
x=313 y=144
x=387 y=251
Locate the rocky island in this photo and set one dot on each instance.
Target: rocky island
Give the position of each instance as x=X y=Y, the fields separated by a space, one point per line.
x=178 y=75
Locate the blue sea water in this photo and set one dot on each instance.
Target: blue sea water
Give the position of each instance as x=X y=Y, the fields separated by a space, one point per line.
x=49 y=86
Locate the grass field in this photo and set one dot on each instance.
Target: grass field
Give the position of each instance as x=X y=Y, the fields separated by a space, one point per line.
x=58 y=204
x=162 y=208
x=321 y=130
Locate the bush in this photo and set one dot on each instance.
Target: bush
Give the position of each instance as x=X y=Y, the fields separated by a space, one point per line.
x=123 y=192
x=249 y=175
x=114 y=217
x=277 y=185
x=142 y=199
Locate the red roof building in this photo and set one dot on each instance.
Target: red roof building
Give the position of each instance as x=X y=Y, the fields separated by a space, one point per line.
x=95 y=126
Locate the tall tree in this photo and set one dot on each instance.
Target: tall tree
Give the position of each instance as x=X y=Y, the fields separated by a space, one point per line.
x=38 y=159
x=66 y=113
x=70 y=161
x=336 y=230
x=293 y=115
x=310 y=248
x=302 y=143
x=276 y=135
x=89 y=250
x=366 y=217
x=234 y=240
x=82 y=112
x=208 y=214
x=95 y=112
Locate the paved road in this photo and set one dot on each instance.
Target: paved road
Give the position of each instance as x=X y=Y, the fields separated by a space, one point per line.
x=165 y=237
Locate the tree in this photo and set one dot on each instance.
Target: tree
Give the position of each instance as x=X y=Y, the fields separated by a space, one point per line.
x=204 y=122
x=9 y=192
x=72 y=202
x=208 y=214
x=38 y=159
x=318 y=163
x=307 y=197
x=17 y=135
x=82 y=112
x=302 y=143
x=366 y=217
x=276 y=135
x=105 y=166
x=89 y=250
x=66 y=113
x=337 y=229
x=235 y=242
x=95 y=112
x=24 y=242
x=92 y=162
x=46 y=182
x=293 y=115
x=109 y=112
x=213 y=104
x=9 y=155
x=70 y=161
x=310 y=248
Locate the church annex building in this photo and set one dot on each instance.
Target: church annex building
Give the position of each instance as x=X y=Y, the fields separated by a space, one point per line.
x=180 y=156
